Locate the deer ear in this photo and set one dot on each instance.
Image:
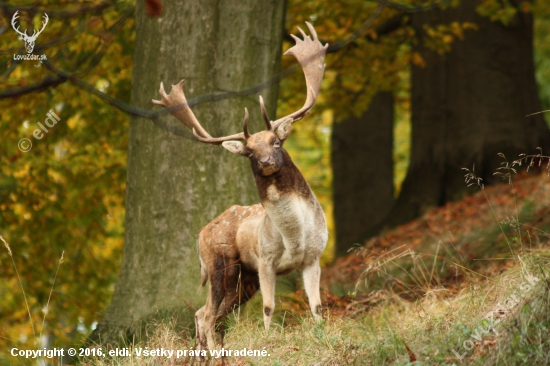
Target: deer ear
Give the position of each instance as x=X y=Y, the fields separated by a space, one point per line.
x=284 y=129
x=235 y=147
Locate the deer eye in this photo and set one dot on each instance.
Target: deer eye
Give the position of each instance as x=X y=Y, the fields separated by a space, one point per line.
x=277 y=143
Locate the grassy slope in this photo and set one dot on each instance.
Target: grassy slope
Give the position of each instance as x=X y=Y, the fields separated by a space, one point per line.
x=412 y=295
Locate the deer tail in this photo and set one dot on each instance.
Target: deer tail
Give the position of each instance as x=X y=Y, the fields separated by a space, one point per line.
x=204 y=274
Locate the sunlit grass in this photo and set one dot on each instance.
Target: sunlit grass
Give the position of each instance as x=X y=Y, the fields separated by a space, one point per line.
x=431 y=327
x=430 y=308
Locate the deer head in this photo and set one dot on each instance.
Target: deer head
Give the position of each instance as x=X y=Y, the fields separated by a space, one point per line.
x=262 y=148
x=29 y=40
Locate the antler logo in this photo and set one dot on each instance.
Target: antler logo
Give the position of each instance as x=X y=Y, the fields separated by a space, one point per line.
x=29 y=40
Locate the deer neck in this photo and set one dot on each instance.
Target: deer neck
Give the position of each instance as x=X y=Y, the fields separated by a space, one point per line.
x=288 y=202
x=285 y=183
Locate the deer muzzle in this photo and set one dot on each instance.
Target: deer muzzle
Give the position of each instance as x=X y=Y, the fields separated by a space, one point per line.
x=266 y=160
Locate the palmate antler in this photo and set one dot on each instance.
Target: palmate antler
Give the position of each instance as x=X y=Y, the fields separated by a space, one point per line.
x=311 y=56
x=310 y=53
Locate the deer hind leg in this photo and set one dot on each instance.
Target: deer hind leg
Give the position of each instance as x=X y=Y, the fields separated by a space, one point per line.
x=312 y=277
x=229 y=288
x=205 y=321
x=200 y=328
x=239 y=287
x=206 y=316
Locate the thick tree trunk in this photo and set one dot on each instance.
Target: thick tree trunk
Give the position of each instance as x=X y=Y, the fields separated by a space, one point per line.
x=175 y=185
x=467 y=106
x=362 y=166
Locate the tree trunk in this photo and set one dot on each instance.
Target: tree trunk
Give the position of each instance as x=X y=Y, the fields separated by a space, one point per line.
x=175 y=185
x=467 y=106
x=362 y=166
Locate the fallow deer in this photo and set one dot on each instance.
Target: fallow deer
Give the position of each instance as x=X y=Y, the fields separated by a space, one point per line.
x=247 y=247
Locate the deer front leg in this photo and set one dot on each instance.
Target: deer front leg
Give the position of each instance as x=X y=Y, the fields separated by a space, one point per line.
x=312 y=277
x=267 y=275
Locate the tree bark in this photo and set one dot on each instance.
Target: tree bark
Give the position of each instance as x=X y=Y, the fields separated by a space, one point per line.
x=362 y=166
x=175 y=185
x=467 y=106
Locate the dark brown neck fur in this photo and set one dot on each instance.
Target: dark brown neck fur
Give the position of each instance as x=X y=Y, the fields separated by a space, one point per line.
x=287 y=180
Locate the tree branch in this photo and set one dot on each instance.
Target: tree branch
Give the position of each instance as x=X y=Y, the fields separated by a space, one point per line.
x=419 y=8
x=63 y=76
x=47 y=82
x=8 y=10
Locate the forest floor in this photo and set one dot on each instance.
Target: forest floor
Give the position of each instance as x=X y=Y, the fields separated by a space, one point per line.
x=465 y=283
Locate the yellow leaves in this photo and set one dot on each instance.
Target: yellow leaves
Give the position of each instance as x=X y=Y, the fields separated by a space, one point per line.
x=468 y=25
x=97 y=26
x=95 y=23
x=109 y=248
x=372 y=34
x=21 y=210
x=56 y=196
x=72 y=122
x=417 y=59
x=22 y=172
x=107 y=37
x=499 y=10
x=327 y=116
x=457 y=29
x=441 y=37
x=55 y=176
x=402 y=134
x=102 y=84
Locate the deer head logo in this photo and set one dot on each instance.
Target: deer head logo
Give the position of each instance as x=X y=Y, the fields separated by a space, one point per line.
x=29 y=40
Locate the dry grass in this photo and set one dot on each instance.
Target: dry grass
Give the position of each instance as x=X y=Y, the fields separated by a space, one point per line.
x=417 y=308
x=431 y=327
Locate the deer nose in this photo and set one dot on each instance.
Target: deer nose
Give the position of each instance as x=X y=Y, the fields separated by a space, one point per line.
x=265 y=160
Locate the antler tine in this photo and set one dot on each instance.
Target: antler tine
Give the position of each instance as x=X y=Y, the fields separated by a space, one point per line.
x=245 y=124
x=13 y=19
x=264 y=115
x=177 y=105
x=313 y=32
x=310 y=53
x=44 y=23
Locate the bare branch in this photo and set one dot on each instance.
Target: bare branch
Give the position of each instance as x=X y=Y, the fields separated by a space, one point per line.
x=67 y=11
x=154 y=115
x=47 y=82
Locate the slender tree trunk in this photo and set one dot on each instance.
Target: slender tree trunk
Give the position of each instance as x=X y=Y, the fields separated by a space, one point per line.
x=362 y=166
x=175 y=185
x=467 y=106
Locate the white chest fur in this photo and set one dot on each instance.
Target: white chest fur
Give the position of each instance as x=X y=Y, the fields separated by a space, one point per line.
x=293 y=222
